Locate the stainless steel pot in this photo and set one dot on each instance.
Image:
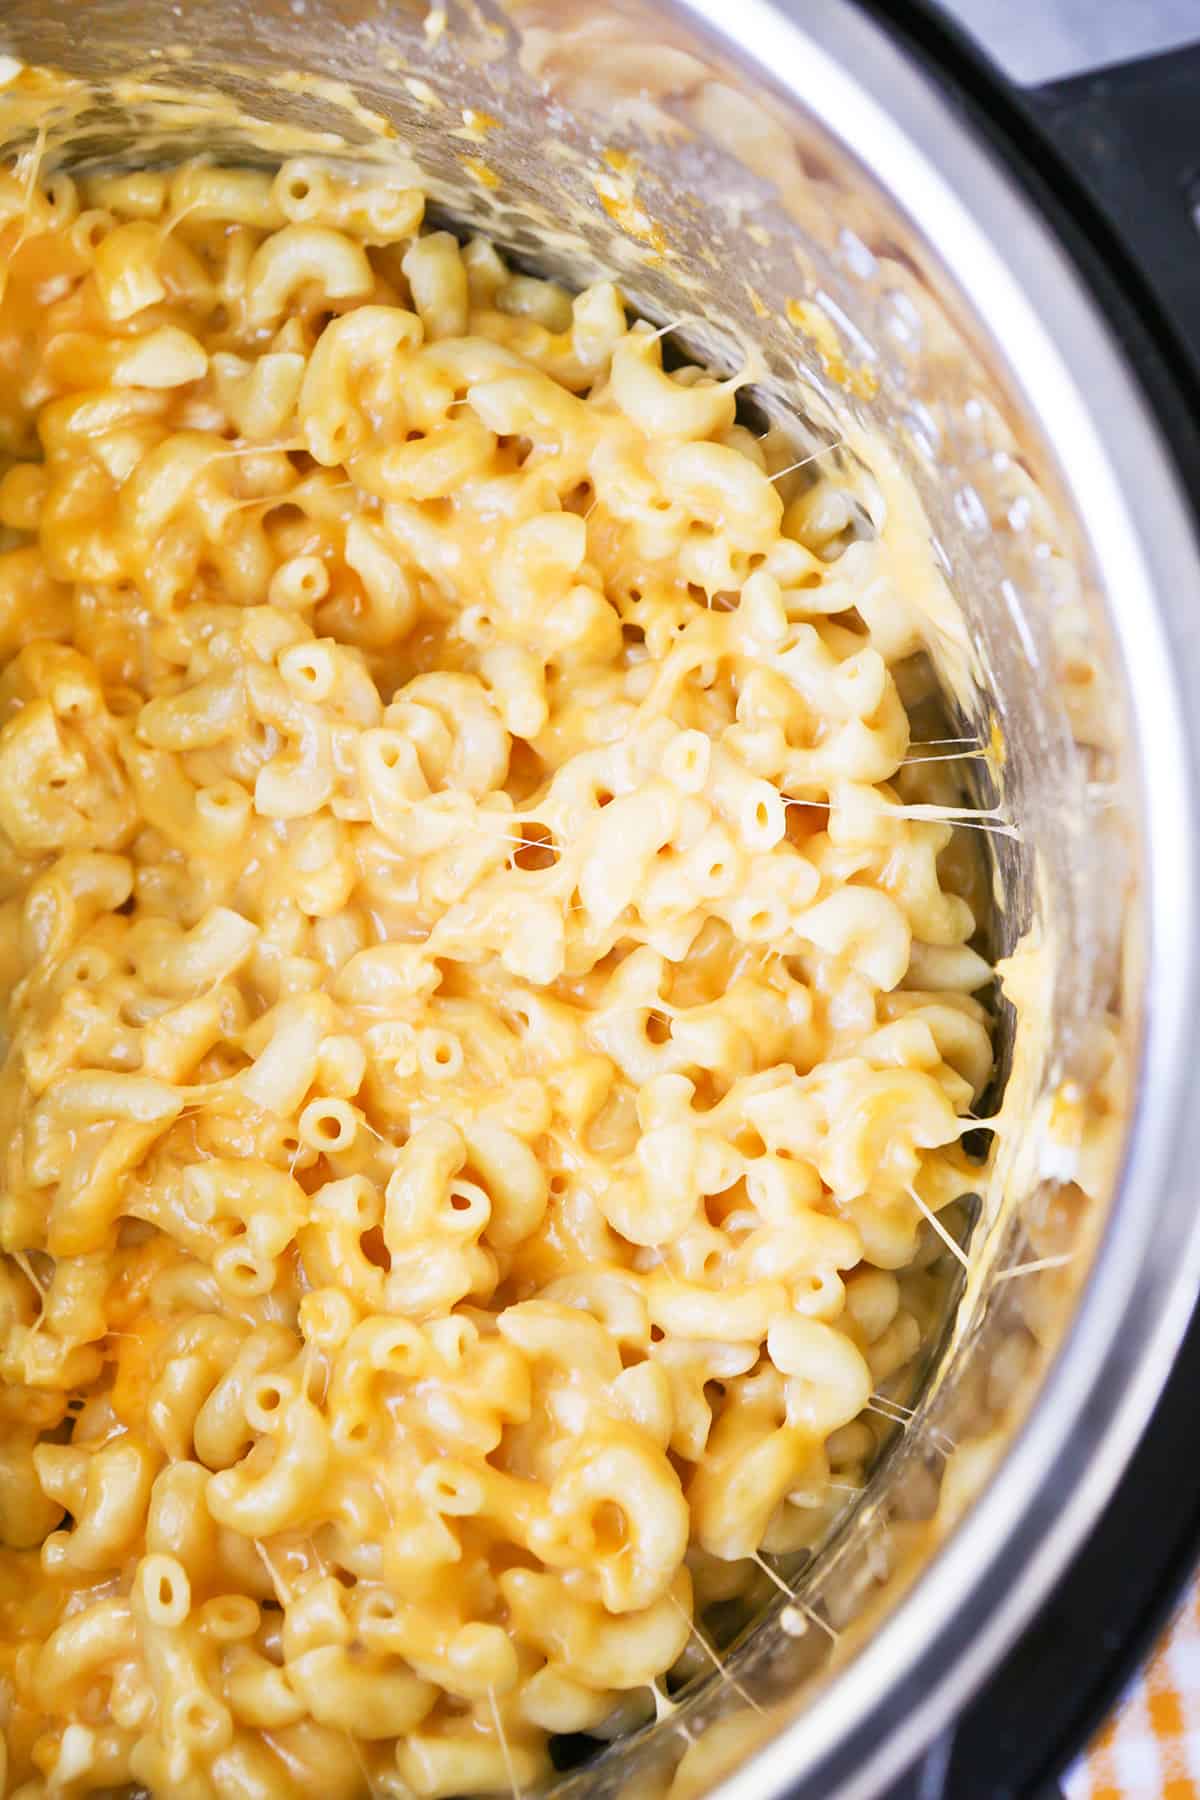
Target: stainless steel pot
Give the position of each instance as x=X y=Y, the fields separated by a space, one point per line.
x=788 y=175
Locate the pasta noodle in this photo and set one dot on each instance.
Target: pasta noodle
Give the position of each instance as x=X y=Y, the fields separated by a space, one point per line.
x=483 y=1030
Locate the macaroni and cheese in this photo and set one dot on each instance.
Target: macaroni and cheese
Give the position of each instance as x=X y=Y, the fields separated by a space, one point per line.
x=485 y=1027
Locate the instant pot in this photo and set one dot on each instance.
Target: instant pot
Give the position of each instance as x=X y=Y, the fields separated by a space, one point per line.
x=999 y=282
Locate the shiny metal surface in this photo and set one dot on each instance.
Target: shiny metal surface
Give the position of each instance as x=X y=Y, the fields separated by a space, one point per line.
x=786 y=154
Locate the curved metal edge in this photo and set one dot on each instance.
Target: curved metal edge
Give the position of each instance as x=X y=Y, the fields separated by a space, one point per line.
x=878 y=1714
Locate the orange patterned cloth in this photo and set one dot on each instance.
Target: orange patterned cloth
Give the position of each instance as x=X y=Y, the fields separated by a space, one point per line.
x=1150 y=1748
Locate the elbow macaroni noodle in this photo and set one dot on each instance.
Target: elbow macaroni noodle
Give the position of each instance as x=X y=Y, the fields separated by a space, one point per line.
x=482 y=1026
